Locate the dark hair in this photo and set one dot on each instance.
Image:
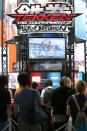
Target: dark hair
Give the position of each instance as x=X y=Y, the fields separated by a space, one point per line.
x=48 y=83
x=62 y=80
x=3 y=80
x=34 y=84
x=23 y=79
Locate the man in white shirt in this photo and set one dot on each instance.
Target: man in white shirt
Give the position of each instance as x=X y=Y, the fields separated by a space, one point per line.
x=46 y=96
x=46 y=93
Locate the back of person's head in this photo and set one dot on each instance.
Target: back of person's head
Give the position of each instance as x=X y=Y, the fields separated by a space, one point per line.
x=3 y=80
x=23 y=79
x=62 y=80
x=34 y=85
x=80 y=86
x=65 y=81
x=48 y=83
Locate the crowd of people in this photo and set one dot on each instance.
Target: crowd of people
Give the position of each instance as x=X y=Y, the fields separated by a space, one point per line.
x=47 y=110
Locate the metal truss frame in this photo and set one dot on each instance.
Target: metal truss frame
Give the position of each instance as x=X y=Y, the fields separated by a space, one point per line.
x=3 y=43
x=70 y=64
x=23 y=51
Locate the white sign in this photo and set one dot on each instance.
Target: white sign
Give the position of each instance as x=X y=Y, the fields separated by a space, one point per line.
x=79 y=57
x=50 y=18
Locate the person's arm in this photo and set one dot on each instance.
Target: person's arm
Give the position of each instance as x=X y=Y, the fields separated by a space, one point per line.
x=68 y=110
x=68 y=106
x=9 y=113
x=42 y=101
x=15 y=109
x=42 y=97
x=8 y=99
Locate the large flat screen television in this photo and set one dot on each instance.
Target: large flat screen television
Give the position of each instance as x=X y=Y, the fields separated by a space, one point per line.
x=40 y=78
x=47 y=48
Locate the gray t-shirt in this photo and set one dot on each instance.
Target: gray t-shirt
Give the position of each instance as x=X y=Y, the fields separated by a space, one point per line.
x=24 y=99
x=47 y=95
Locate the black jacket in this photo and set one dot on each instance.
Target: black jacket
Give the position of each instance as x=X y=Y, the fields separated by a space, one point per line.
x=59 y=99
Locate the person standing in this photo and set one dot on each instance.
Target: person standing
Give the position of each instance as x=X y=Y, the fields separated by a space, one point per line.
x=77 y=102
x=59 y=101
x=46 y=93
x=5 y=101
x=23 y=100
x=46 y=96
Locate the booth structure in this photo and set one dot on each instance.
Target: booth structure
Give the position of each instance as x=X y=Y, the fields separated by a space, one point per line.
x=44 y=55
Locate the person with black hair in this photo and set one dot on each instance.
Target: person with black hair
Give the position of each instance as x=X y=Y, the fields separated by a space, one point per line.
x=23 y=100
x=46 y=93
x=5 y=101
x=46 y=96
x=34 y=85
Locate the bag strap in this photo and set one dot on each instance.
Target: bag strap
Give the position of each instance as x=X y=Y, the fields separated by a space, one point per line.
x=85 y=105
x=77 y=105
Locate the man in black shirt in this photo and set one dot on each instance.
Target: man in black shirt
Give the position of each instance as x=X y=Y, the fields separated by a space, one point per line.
x=59 y=101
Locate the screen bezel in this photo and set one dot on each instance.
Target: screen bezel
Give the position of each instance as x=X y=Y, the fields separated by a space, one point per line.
x=32 y=59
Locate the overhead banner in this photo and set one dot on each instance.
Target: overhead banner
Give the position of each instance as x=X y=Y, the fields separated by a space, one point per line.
x=50 y=18
x=10 y=30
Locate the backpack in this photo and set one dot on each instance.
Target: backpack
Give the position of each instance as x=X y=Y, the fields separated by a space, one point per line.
x=48 y=96
x=80 y=123
x=34 y=113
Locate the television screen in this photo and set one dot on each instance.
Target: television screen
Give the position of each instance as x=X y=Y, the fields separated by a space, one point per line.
x=13 y=83
x=78 y=76
x=46 y=48
x=45 y=65
x=40 y=78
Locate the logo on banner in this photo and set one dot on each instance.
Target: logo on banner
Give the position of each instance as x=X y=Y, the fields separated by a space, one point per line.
x=51 y=18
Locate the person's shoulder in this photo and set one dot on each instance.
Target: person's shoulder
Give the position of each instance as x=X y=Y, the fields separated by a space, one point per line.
x=18 y=90
x=36 y=91
x=44 y=90
x=19 y=93
x=6 y=92
x=71 y=91
x=59 y=89
x=56 y=90
x=49 y=89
